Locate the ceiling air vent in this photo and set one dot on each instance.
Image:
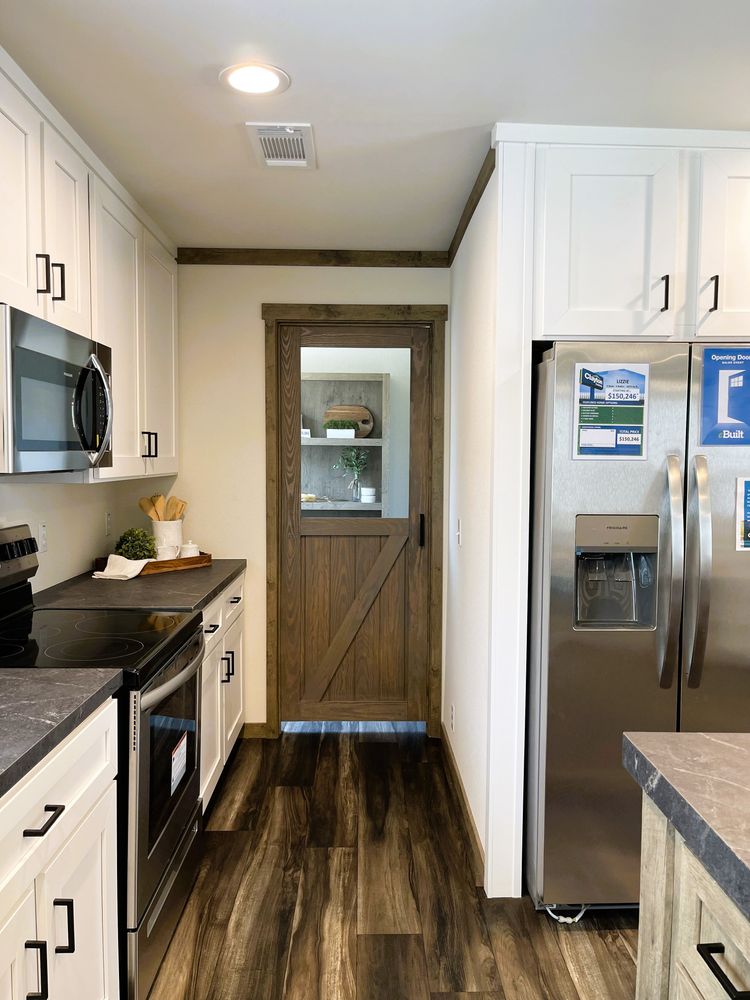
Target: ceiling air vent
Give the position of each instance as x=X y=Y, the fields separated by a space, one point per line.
x=283 y=145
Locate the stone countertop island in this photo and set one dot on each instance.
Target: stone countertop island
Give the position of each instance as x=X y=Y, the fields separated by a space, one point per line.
x=694 y=938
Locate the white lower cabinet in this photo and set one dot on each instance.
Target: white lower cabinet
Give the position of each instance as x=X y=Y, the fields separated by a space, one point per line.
x=212 y=742
x=232 y=700
x=77 y=908
x=19 y=962
x=58 y=885
x=222 y=685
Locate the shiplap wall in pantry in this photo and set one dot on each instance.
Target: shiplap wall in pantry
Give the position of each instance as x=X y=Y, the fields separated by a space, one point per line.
x=222 y=407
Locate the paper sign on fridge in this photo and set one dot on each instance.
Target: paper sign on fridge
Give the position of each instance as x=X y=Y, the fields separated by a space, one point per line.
x=611 y=403
x=725 y=396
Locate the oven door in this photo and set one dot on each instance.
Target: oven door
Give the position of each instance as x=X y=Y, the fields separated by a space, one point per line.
x=163 y=771
x=59 y=401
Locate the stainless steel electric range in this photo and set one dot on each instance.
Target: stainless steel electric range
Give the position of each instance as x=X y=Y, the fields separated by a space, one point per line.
x=160 y=654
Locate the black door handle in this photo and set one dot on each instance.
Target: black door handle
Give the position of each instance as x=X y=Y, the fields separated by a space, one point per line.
x=156 y=444
x=230 y=654
x=41 y=947
x=665 y=279
x=61 y=296
x=211 y=629
x=228 y=677
x=70 y=947
x=422 y=530
x=235 y=600
x=56 y=811
x=715 y=306
x=149 y=453
x=47 y=274
x=707 y=952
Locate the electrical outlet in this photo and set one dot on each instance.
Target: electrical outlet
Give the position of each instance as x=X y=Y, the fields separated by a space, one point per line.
x=42 y=536
x=107 y=523
x=453 y=718
x=458 y=532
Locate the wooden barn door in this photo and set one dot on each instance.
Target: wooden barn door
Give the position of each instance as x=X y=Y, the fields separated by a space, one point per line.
x=354 y=579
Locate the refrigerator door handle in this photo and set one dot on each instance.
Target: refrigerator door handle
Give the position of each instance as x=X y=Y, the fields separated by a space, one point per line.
x=677 y=546
x=697 y=646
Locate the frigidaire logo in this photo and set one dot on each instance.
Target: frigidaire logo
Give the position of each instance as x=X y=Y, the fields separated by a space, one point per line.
x=617 y=527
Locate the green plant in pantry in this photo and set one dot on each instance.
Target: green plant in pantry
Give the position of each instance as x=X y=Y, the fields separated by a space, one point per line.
x=355 y=460
x=341 y=425
x=136 y=543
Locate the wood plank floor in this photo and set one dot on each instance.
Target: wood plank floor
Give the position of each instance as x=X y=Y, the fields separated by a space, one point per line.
x=336 y=868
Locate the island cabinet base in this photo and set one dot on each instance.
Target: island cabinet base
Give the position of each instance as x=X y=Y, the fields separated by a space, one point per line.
x=683 y=911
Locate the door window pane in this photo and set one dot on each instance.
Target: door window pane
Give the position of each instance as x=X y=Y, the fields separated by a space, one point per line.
x=355 y=431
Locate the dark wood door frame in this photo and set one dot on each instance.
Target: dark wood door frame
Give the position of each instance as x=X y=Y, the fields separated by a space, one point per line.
x=433 y=317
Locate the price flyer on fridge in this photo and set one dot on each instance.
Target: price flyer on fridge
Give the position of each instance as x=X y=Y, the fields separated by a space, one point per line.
x=611 y=411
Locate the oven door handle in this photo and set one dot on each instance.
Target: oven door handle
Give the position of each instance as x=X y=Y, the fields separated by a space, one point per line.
x=151 y=698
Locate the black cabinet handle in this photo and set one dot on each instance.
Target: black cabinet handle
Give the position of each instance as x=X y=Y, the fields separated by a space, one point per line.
x=41 y=947
x=156 y=444
x=715 y=306
x=228 y=677
x=70 y=947
x=422 y=530
x=56 y=811
x=707 y=952
x=665 y=279
x=151 y=453
x=147 y=453
x=47 y=274
x=61 y=296
x=235 y=600
x=211 y=629
x=230 y=654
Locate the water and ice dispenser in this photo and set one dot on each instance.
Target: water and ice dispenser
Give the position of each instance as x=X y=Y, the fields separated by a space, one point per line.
x=616 y=564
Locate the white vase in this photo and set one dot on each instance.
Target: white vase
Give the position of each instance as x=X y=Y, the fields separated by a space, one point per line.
x=168 y=533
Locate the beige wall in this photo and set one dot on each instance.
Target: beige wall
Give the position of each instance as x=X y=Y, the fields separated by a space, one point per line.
x=74 y=516
x=222 y=406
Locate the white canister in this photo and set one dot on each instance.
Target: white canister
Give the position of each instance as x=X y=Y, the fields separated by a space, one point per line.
x=168 y=533
x=368 y=494
x=189 y=550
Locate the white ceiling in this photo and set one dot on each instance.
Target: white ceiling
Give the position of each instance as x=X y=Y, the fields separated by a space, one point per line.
x=401 y=93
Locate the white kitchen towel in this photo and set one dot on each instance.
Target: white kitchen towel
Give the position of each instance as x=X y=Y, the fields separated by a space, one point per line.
x=120 y=568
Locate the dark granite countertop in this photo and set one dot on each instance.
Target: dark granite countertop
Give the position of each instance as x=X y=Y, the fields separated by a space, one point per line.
x=701 y=782
x=187 y=590
x=39 y=708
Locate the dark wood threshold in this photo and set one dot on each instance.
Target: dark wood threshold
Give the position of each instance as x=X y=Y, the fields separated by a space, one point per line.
x=312 y=258
x=483 y=178
x=259 y=731
x=462 y=806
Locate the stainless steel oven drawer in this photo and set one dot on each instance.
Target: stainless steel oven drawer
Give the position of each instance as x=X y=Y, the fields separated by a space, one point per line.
x=148 y=944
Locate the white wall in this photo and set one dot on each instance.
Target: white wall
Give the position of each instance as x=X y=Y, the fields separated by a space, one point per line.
x=74 y=516
x=222 y=407
x=467 y=625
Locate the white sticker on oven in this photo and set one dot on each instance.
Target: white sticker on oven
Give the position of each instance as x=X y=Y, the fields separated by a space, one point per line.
x=179 y=763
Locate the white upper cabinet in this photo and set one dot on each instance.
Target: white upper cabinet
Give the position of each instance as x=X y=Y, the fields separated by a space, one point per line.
x=117 y=305
x=723 y=296
x=66 y=233
x=606 y=242
x=160 y=344
x=20 y=202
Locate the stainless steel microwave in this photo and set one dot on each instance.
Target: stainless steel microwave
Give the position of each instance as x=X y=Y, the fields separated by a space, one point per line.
x=55 y=397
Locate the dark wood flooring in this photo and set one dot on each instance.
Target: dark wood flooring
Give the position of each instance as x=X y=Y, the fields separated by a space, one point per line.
x=336 y=868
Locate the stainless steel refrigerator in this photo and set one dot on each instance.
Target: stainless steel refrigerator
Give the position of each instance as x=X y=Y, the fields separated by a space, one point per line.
x=640 y=602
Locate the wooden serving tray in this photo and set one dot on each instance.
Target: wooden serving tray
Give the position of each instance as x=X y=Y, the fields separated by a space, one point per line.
x=172 y=565
x=165 y=565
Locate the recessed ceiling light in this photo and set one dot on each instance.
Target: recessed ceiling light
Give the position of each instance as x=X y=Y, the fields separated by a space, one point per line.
x=255 y=78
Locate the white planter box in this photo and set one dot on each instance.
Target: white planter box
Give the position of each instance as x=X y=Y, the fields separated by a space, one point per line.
x=345 y=432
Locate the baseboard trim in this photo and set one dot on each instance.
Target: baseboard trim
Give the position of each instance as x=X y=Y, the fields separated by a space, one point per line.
x=462 y=803
x=258 y=731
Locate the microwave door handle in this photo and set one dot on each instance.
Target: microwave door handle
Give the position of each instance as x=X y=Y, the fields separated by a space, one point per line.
x=152 y=698
x=677 y=552
x=697 y=647
x=96 y=364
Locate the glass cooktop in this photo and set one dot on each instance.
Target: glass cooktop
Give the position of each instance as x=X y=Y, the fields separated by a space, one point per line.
x=47 y=637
